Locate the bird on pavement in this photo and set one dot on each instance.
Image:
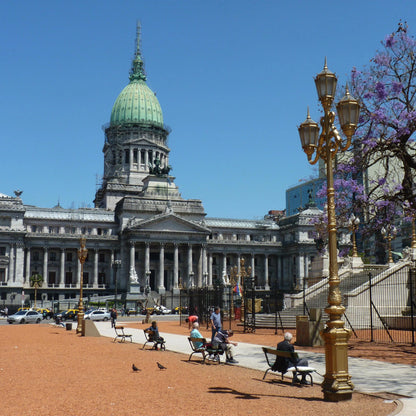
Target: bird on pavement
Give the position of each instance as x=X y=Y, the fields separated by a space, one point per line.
x=135 y=368
x=160 y=366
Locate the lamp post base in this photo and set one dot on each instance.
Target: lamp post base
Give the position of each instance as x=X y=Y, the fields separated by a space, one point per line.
x=81 y=324
x=337 y=385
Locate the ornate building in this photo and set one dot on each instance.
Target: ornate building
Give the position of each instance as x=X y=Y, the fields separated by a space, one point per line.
x=140 y=218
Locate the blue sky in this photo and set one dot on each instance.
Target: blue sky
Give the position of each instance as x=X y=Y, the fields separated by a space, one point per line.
x=234 y=79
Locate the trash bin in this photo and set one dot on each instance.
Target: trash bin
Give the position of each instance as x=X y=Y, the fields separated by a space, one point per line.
x=68 y=326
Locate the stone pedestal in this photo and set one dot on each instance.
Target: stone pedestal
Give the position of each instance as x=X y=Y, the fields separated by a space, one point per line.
x=135 y=288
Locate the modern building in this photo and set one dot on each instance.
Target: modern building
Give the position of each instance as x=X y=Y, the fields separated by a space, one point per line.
x=142 y=235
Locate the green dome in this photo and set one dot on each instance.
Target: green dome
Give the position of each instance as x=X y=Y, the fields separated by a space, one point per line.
x=137 y=103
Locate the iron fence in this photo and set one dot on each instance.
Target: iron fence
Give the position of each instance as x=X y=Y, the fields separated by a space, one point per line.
x=381 y=304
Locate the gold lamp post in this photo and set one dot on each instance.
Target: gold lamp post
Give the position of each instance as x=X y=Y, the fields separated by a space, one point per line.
x=389 y=232
x=82 y=256
x=353 y=224
x=337 y=383
x=36 y=281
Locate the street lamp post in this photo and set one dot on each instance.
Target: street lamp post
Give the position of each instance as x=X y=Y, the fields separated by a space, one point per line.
x=337 y=383
x=389 y=232
x=116 y=264
x=36 y=281
x=353 y=224
x=82 y=256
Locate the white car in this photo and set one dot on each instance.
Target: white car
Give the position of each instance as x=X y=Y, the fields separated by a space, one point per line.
x=98 y=315
x=162 y=310
x=24 y=317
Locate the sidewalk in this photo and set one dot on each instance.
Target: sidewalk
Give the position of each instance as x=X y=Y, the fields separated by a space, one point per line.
x=368 y=376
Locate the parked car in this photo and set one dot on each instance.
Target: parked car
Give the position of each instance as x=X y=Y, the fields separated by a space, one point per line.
x=70 y=314
x=149 y=310
x=45 y=312
x=162 y=310
x=184 y=310
x=98 y=315
x=25 y=316
x=131 y=311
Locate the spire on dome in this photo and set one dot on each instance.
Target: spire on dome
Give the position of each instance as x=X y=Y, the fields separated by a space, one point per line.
x=137 y=69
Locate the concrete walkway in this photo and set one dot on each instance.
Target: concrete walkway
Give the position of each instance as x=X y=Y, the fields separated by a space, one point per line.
x=368 y=376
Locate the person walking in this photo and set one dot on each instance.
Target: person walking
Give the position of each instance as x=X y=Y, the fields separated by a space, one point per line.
x=113 y=316
x=215 y=322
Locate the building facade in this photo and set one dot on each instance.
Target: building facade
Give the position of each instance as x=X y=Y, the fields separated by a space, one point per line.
x=141 y=235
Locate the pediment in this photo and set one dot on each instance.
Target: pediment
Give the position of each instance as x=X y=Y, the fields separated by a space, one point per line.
x=167 y=223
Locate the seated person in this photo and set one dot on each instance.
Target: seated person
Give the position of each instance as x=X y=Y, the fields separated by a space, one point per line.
x=196 y=334
x=221 y=339
x=191 y=320
x=153 y=332
x=282 y=363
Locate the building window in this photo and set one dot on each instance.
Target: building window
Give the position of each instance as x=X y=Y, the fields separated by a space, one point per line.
x=34 y=228
x=101 y=278
x=52 y=278
x=99 y=231
x=2 y=275
x=127 y=156
x=68 y=256
x=135 y=156
x=36 y=256
x=142 y=157
x=86 y=278
x=53 y=256
x=2 y=251
x=102 y=258
x=68 y=278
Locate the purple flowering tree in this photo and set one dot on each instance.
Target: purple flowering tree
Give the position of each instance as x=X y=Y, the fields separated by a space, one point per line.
x=375 y=179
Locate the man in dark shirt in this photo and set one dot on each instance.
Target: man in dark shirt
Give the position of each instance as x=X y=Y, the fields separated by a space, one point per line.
x=222 y=339
x=283 y=363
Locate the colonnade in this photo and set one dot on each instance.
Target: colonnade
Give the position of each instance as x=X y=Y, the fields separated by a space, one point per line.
x=62 y=265
x=192 y=264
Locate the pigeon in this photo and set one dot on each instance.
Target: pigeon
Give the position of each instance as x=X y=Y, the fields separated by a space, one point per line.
x=135 y=368
x=161 y=366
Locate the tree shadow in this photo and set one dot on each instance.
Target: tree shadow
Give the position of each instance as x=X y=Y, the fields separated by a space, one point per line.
x=236 y=393
x=291 y=392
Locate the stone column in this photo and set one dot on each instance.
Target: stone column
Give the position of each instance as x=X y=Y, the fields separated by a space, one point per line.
x=266 y=272
x=299 y=273
x=190 y=271
x=11 y=263
x=78 y=276
x=253 y=271
x=147 y=259
x=146 y=160
x=19 y=264
x=160 y=283
x=204 y=262
x=95 y=281
x=175 y=268
x=45 y=264
x=133 y=274
x=224 y=268
x=27 y=265
x=112 y=275
x=61 y=281
x=200 y=267
x=210 y=269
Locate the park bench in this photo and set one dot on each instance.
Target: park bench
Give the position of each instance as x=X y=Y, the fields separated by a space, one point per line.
x=121 y=335
x=271 y=353
x=205 y=350
x=149 y=335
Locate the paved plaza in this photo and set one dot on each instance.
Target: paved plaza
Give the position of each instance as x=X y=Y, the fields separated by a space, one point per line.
x=368 y=376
